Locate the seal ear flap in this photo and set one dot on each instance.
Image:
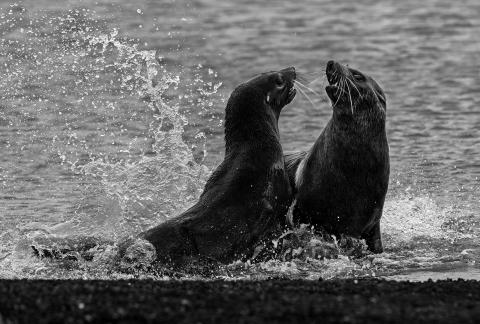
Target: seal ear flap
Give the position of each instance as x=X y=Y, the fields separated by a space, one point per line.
x=271 y=98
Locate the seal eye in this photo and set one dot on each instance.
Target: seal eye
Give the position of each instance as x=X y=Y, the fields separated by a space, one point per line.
x=358 y=76
x=279 y=82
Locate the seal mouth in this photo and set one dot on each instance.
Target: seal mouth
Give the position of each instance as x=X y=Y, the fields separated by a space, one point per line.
x=290 y=95
x=335 y=78
x=334 y=74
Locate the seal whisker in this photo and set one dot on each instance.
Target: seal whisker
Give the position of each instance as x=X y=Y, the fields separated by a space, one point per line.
x=308 y=98
x=316 y=79
x=343 y=83
x=334 y=74
x=311 y=74
x=301 y=78
x=322 y=77
x=379 y=95
x=322 y=97
x=311 y=90
x=353 y=84
x=340 y=83
x=305 y=77
x=350 y=97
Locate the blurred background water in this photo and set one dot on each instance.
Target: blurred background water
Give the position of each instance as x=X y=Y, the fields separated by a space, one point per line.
x=111 y=118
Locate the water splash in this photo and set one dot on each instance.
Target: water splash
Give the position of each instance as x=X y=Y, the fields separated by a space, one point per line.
x=131 y=178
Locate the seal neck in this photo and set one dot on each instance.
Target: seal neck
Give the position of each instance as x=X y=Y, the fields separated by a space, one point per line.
x=249 y=120
x=365 y=124
x=255 y=133
x=255 y=127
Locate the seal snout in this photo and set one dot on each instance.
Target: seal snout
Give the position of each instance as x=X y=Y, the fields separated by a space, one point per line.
x=334 y=72
x=289 y=75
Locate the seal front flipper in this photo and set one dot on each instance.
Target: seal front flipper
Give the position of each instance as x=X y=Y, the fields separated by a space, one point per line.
x=373 y=237
x=172 y=239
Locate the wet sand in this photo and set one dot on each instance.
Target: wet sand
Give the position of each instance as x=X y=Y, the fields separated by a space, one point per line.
x=273 y=301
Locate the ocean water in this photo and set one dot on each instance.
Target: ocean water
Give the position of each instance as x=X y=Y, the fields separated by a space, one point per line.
x=111 y=119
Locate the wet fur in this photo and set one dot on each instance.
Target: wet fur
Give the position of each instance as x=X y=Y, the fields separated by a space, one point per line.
x=342 y=181
x=246 y=198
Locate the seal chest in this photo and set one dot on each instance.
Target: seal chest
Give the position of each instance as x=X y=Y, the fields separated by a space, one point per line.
x=342 y=181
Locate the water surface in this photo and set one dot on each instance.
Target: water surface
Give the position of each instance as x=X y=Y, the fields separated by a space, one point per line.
x=111 y=118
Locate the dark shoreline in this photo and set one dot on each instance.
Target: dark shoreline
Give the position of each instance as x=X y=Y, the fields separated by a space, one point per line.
x=271 y=301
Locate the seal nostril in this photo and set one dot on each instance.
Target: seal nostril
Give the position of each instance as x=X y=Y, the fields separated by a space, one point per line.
x=330 y=72
x=289 y=73
x=294 y=73
x=330 y=65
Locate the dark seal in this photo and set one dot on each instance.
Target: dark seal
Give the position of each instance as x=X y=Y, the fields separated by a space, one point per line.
x=247 y=197
x=341 y=182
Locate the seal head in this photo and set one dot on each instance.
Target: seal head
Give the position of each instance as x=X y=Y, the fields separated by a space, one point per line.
x=355 y=96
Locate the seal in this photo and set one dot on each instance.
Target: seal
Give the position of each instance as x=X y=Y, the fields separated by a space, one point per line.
x=248 y=195
x=341 y=182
